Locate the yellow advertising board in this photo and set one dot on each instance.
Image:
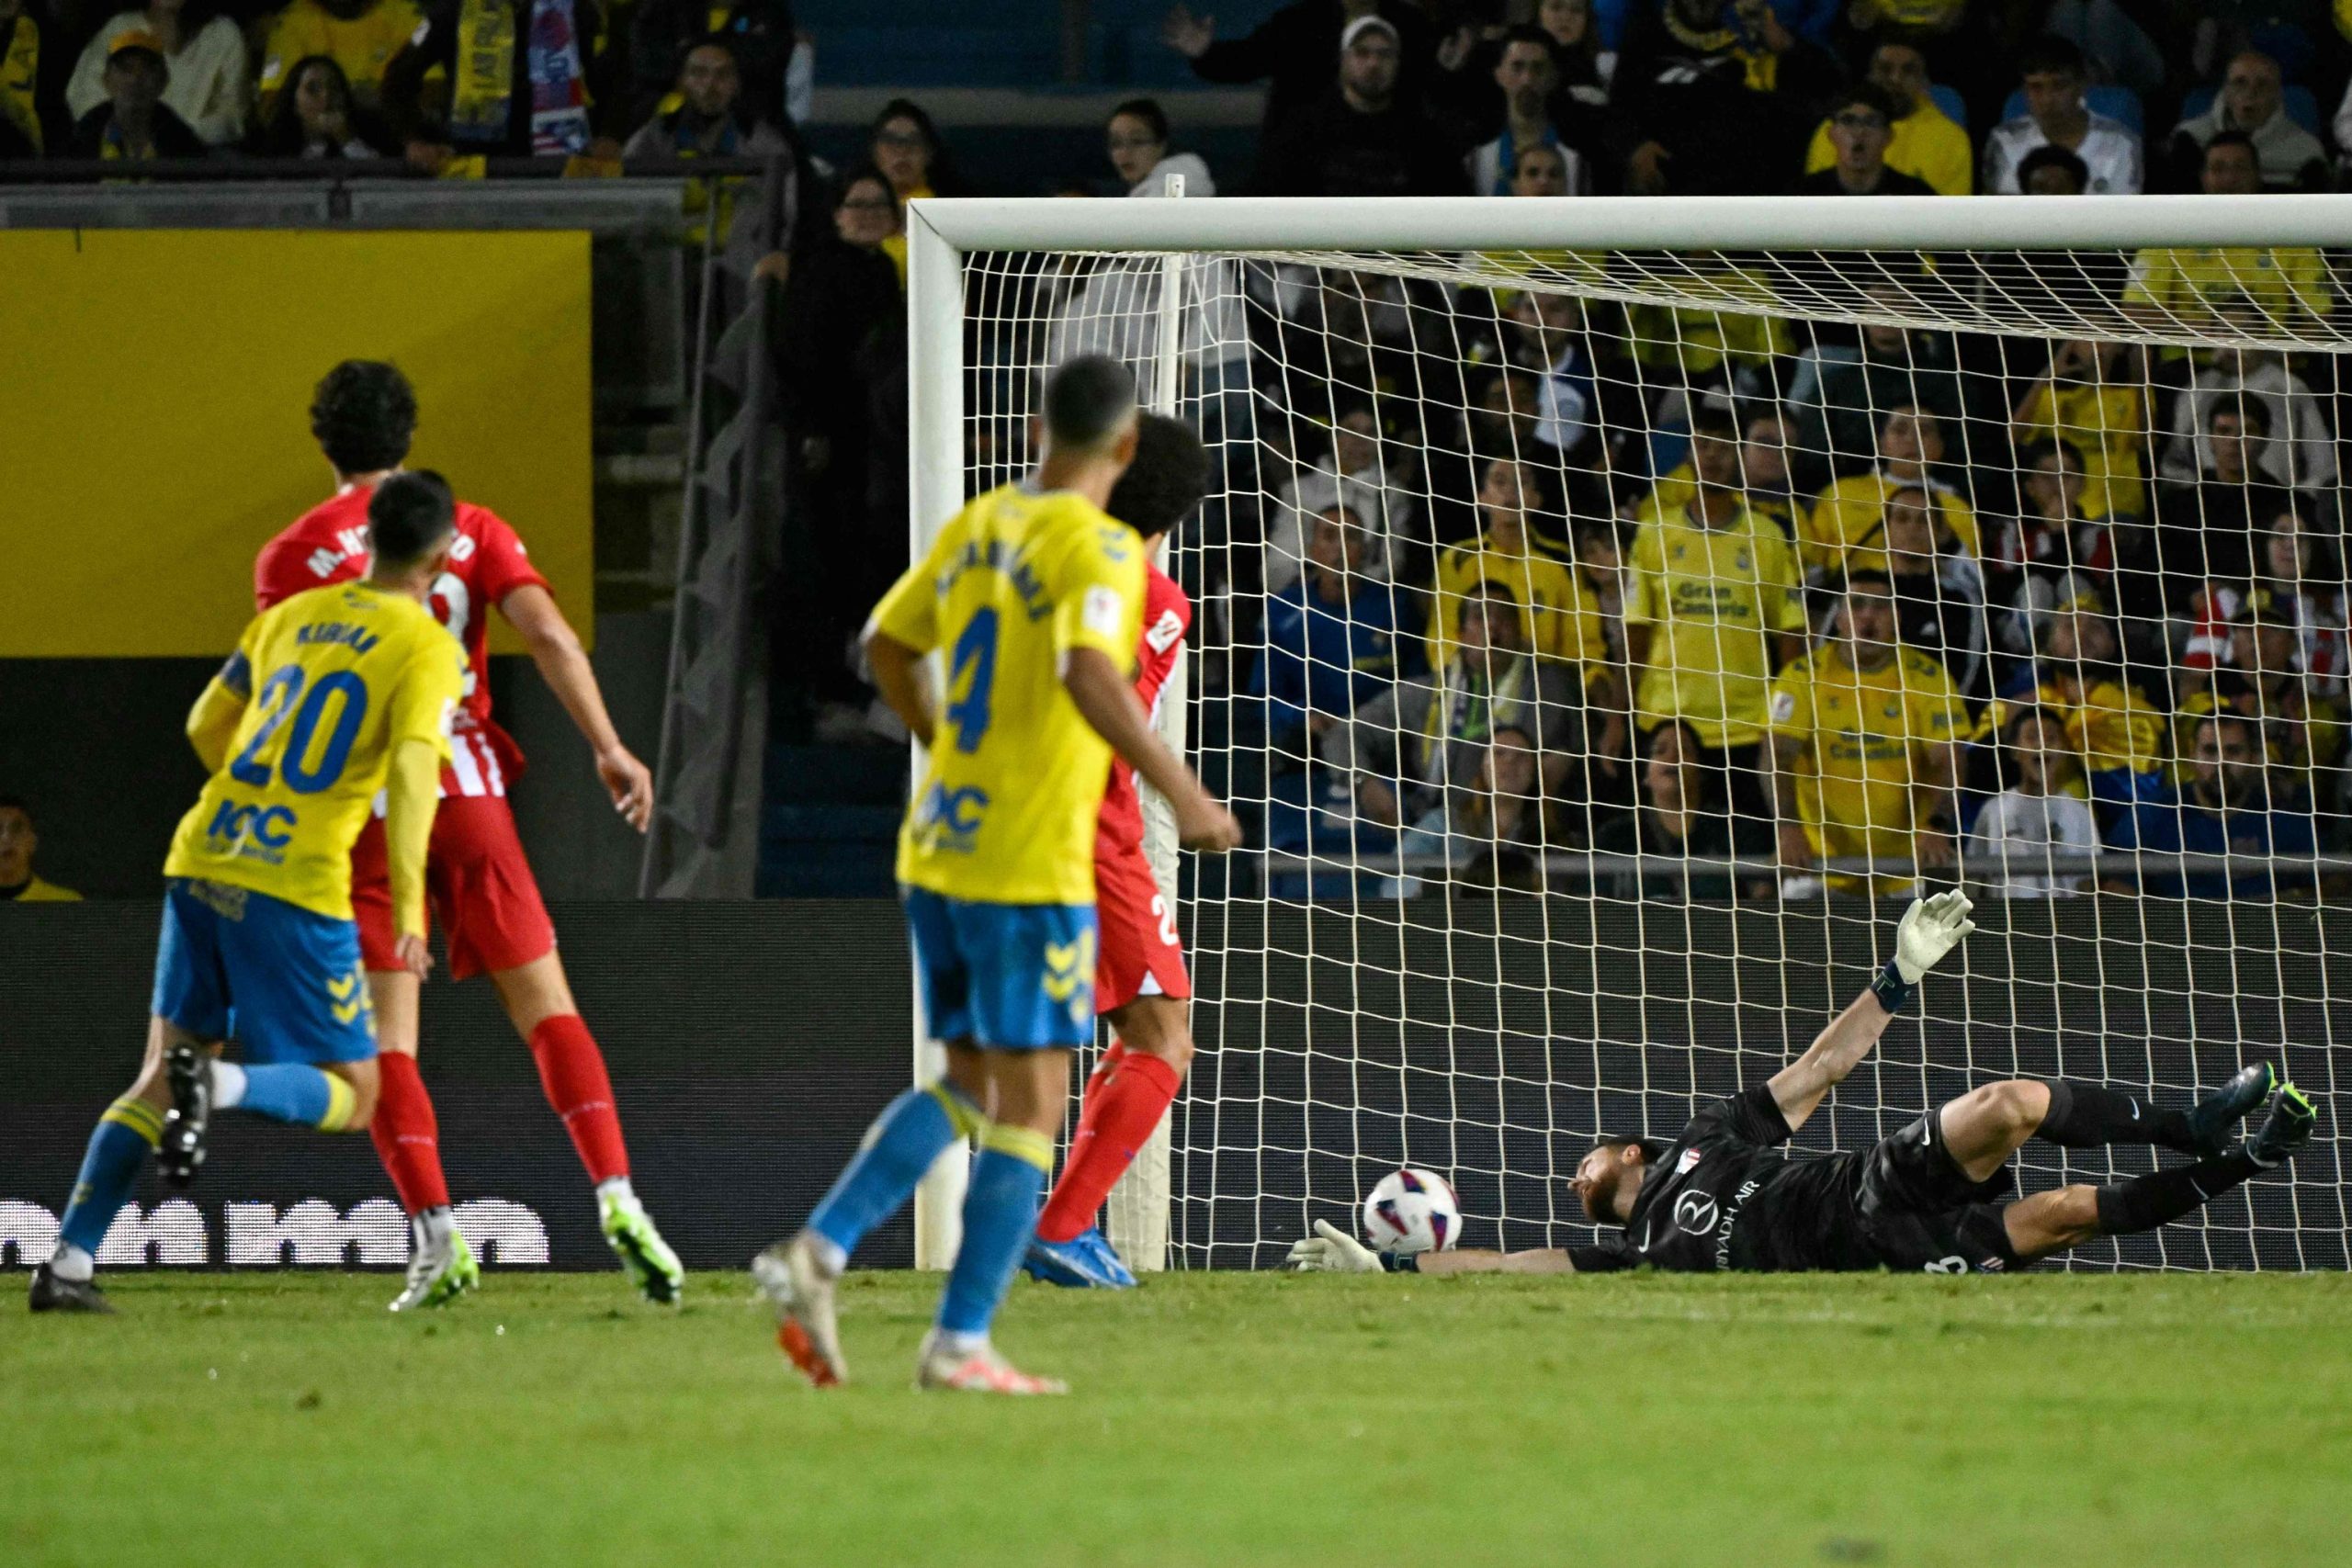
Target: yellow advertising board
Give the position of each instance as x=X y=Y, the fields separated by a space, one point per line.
x=154 y=428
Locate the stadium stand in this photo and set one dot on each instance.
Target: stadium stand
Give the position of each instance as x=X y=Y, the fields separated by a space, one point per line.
x=2095 y=459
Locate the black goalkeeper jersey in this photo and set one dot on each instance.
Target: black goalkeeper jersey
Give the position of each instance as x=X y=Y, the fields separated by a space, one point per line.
x=1726 y=1196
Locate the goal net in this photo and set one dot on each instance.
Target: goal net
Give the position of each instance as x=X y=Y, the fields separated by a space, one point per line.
x=1608 y=612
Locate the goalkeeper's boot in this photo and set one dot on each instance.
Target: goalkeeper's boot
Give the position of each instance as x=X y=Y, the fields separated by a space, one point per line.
x=981 y=1371
x=50 y=1293
x=2211 y=1118
x=645 y=1257
x=181 y=1149
x=800 y=1290
x=442 y=1271
x=2286 y=1130
x=1083 y=1262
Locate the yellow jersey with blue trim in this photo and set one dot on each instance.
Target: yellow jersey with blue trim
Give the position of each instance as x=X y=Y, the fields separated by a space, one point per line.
x=333 y=681
x=1016 y=582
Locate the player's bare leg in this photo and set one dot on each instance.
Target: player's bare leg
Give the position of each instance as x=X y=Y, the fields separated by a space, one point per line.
x=538 y=999
x=2053 y=1222
x=407 y=1133
x=1128 y=1095
x=1982 y=1128
x=1024 y=1096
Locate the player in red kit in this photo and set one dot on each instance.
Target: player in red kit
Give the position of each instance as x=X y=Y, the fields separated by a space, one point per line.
x=481 y=889
x=1140 y=985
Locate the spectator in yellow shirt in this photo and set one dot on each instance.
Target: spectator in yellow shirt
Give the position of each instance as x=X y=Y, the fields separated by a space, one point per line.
x=17 y=843
x=2287 y=285
x=1847 y=529
x=1763 y=477
x=1714 y=604
x=2092 y=400
x=361 y=36
x=2110 y=724
x=1562 y=622
x=1927 y=145
x=1865 y=750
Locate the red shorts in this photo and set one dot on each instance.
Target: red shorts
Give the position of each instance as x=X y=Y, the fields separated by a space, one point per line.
x=482 y=893
x=1140 y=953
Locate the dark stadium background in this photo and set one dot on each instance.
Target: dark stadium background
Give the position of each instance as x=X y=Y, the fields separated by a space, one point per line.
x=750 y=1042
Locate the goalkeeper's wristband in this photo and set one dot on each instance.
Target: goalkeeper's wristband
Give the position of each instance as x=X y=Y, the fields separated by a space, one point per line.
x=1399 y=1262
x=1891 y=989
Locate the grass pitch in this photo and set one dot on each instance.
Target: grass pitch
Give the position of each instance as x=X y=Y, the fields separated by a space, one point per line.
x=1230 y=1420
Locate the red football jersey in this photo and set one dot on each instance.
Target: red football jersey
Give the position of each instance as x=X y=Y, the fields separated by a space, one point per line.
x=329 y=543
x=1167 y=615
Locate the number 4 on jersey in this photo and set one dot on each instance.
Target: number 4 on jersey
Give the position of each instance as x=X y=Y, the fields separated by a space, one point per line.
x=975 y=656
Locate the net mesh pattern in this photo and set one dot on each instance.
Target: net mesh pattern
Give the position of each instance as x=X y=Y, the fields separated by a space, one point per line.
x=1599 y=647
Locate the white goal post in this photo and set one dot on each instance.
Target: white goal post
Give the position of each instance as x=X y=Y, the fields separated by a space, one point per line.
x=1560 y=1070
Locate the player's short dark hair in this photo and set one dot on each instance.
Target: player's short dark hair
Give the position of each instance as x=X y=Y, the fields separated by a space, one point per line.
x=1087 y=399
x=364 y=414
x=1878 y=579
x=409 y=516
x=1653 y=1149
x=1148 y=111
x=2048 y=54
x=2050 y=155
x=17 y=803
x=1167 y=479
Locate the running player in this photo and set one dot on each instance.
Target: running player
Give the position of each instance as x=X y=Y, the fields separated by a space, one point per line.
x=335 y=694
x=1933 y=1197
x=1036 y=597
x=1140 y=985
x=483 y=894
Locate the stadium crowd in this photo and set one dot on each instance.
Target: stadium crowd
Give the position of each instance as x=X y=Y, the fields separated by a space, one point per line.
x=1523 y=567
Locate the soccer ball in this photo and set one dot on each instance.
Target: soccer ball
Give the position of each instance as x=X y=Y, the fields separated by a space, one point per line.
x=1412 y=1211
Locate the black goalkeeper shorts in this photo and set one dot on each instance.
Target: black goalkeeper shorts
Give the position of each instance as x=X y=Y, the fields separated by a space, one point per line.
x=1920 y=1212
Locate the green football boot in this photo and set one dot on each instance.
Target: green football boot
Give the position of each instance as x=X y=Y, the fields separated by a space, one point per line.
x=645 y=1257
x=2286 y=1130
x=439 y=1273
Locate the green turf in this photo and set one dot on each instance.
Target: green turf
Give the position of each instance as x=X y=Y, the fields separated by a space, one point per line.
x=1224 y=1421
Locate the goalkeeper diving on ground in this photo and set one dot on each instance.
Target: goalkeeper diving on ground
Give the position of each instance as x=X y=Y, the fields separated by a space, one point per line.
x=1937 y=1196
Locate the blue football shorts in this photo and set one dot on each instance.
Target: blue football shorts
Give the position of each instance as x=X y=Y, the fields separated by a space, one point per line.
x=1015 y=976
x=284 y=982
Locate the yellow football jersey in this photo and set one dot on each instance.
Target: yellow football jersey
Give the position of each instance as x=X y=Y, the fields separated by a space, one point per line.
x=1846 y=531
x=2109 y=724
x=1555 y=610
x=2108 y=427
x=334 y=678
x=1015 y=583
x=1715 y=596
x=2282 y=281
x=1866 y=731
x=1926 y=145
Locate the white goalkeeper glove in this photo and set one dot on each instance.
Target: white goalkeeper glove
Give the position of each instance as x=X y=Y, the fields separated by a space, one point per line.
x=1332 y=1250
x=1930 y=928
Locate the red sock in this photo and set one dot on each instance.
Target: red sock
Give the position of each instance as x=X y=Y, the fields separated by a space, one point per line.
x=573 y=1072
x=407 y=1134
x=1125 y=1101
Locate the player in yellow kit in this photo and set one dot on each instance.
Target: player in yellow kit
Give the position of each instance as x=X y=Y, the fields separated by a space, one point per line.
x=1033 y=596
x=332 y=697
